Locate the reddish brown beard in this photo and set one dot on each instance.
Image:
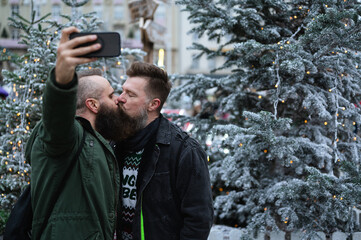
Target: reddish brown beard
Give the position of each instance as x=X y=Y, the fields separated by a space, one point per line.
x=131 y=125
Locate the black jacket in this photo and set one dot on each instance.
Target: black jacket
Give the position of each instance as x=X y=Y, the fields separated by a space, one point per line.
x=173 y=189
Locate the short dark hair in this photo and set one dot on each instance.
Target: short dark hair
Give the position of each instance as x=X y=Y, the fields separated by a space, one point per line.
x=87 y=89
x=158 y=82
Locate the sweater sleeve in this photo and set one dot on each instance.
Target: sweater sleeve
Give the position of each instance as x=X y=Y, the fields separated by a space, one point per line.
x=59 y=106
x=193 y=185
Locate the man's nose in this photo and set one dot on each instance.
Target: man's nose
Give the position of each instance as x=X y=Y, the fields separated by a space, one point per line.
x=120 y=98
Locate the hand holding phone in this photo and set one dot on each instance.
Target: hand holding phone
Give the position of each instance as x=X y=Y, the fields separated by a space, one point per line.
x=68 y=57
x=110 y=42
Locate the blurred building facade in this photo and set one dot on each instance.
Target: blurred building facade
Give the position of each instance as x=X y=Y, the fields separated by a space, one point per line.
x=171 y=41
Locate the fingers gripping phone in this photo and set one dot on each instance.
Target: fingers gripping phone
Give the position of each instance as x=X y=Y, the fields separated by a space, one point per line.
x=110 y=42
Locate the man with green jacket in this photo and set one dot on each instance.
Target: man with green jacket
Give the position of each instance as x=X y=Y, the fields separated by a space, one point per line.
x=86 y=207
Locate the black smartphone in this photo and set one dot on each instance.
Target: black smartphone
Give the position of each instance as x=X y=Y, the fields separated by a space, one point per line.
x=110 y=42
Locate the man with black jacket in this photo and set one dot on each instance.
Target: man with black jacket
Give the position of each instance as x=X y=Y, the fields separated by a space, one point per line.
x=165 y=191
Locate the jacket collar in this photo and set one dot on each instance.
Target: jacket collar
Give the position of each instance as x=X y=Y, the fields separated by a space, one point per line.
x=164 y=133
x=87 y=126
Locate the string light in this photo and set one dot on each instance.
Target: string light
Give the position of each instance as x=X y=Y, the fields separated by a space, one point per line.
x=354 y=123
x=354 y=138
x=161 y=57
x=259 y=96
x=265 y=151
x=265 y=209
x=325 y=123
x=240 y=144
x=306 y=121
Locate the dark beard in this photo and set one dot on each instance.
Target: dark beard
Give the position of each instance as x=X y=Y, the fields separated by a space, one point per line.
x=107 y=122
x=116 y=125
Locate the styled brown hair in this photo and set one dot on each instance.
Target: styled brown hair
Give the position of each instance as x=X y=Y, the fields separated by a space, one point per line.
x=158 y=82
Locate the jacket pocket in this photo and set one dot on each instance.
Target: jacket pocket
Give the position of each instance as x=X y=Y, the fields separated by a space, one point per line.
x=159 y=187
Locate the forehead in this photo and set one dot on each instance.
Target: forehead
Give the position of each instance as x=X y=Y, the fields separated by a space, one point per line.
x=135 y=84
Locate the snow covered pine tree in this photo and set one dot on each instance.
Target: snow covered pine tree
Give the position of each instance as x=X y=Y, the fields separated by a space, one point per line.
x=292 y=143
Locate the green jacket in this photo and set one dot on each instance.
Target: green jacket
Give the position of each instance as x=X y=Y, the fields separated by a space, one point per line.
x=86 y=208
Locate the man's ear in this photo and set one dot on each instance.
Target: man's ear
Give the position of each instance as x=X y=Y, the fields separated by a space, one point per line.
x=92 y=104
x=154 y=104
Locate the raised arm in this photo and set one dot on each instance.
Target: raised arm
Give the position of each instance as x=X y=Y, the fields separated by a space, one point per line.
x=59 y=103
